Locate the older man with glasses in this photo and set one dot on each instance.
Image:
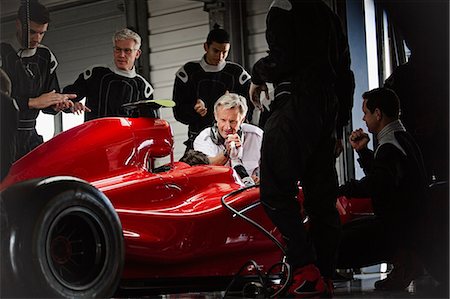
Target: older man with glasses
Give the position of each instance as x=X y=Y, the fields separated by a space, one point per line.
x=105 y=88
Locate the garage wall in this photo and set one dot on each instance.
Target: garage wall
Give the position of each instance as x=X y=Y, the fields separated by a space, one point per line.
x=256 y=12
x=256 y=26
x=177 y=31
x=80 y=35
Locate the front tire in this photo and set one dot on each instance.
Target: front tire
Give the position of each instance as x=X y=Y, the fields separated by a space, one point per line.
x=65 y=240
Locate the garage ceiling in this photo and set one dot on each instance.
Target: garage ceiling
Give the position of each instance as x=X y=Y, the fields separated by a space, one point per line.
x=8 y=8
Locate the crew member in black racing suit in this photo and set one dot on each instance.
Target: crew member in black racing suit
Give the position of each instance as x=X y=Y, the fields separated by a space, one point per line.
x=107 y=88
x=309 y=64
x=422 y=86
x=31 y=69
x=396 y=182
x=198 y=84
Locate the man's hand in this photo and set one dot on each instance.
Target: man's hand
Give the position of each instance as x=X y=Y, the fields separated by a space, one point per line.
x=255 y=178
x=255 y=94
x=63 y=106
x=359 y=139
x=200 y=108
x=52 y=98
x=220 y=159
x=233 y=138
x=79 y=108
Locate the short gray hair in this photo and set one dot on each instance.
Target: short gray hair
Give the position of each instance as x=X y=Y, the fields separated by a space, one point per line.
x=124 y=34
x=230 y=101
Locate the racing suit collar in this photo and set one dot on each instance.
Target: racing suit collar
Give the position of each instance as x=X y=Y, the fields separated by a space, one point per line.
x=23 y=52
x=387 y=135
x=129 y=74
x=211 y=68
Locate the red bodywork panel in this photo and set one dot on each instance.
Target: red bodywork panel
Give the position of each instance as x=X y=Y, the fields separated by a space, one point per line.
x=173 y=222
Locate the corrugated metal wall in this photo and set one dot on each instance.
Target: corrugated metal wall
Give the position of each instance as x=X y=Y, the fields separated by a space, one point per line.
x=81 y=36
x=256 y=26
x=177 y=31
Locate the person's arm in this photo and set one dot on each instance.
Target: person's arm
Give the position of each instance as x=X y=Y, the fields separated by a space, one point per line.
x=217 y=155
x=359 y=140
x=148 y=89
x=79 y=87
x=366 y=160
x=382 y=181
x=51 y=102
x=220 y=159
x=9 y=117
x=46 y=101
x=243 y=89
x=280 y=58
x=185 y=99
x=360 y=188
x=345 y=80
x=355 y=188
x=386 y=177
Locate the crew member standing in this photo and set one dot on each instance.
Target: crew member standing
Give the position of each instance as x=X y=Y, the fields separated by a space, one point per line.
x=309 y=65
x=31 y=69
x=198 y=84
x=107 y=88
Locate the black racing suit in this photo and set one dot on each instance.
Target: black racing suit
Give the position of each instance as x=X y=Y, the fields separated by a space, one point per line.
x=9 y=119
x=309 y=64
x=106 y=90
x=397 y=183
x=198 y=80
x=32 y=73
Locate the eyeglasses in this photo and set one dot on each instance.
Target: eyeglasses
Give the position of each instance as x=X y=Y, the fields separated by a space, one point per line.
x=127 y=51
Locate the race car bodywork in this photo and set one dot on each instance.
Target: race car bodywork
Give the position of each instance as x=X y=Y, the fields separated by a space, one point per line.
x=91 y=211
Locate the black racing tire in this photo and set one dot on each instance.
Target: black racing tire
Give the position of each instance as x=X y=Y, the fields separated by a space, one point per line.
x=63 y=239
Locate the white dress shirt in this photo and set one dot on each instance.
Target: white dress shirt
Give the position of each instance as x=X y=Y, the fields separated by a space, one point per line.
x=251 y=148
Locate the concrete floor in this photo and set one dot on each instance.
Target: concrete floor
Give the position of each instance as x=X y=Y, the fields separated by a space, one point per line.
x=361 y=286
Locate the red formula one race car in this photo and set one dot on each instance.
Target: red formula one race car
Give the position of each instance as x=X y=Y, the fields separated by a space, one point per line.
x=91 y=213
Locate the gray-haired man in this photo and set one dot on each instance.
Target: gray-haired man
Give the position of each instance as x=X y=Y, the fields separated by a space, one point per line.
x=107 y=88
x=230 y=141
